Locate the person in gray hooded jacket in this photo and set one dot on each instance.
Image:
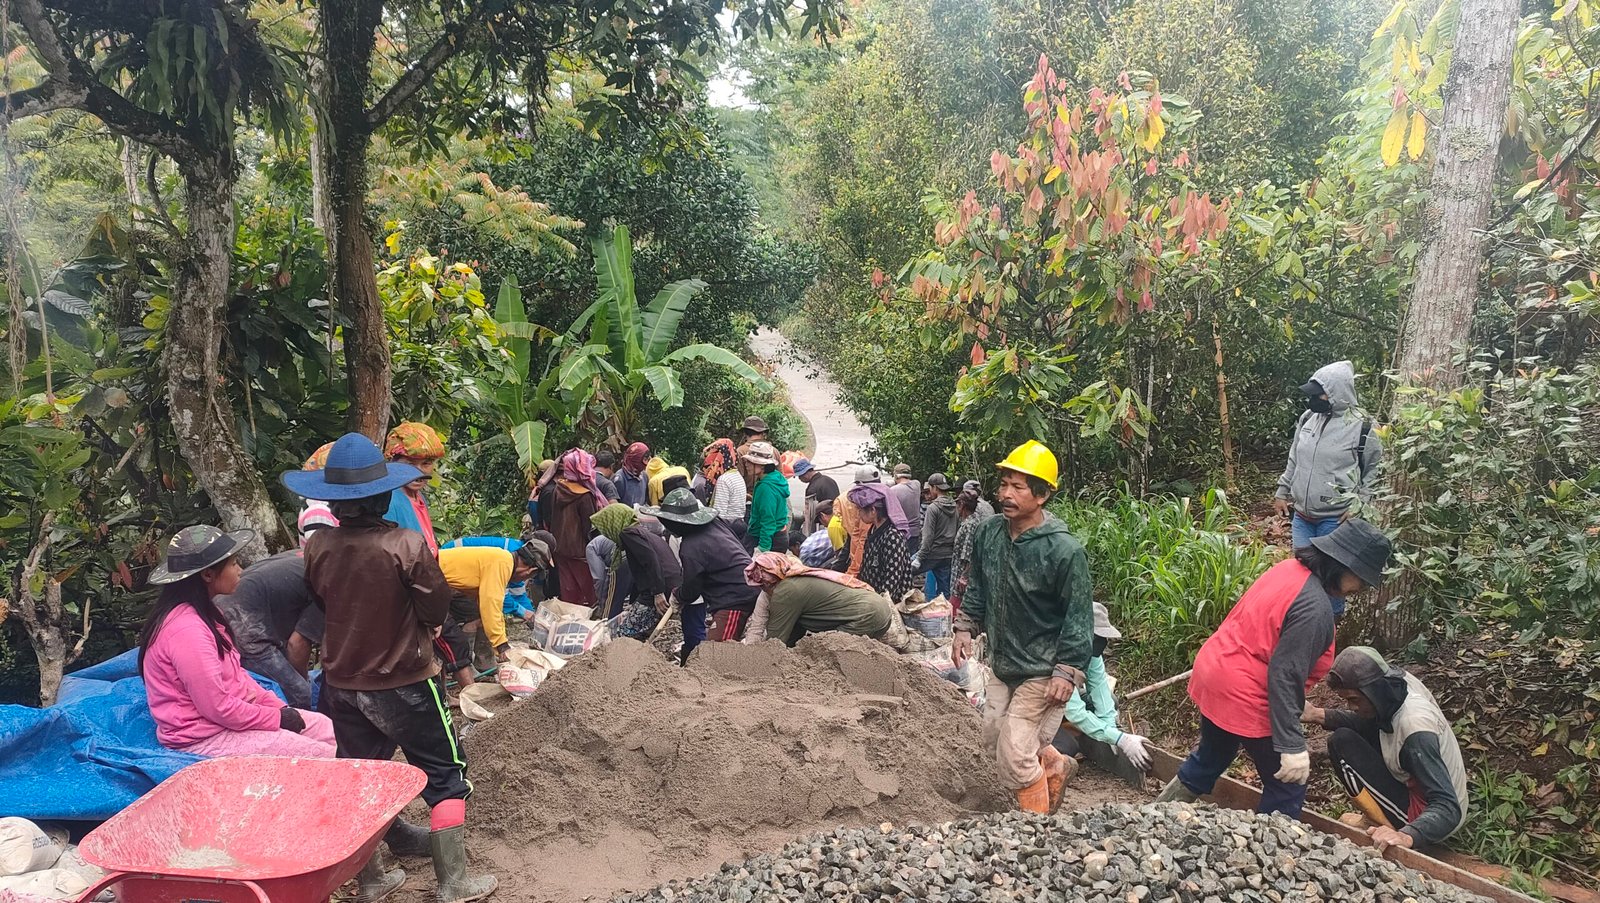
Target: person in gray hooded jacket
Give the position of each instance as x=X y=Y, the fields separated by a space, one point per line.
x=1333 y=456
x=1395 y=752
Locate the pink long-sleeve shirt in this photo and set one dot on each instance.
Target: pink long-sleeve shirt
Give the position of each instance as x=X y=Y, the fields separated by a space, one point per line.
x=194 y=693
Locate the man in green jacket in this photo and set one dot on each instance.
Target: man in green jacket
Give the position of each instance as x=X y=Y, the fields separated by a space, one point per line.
x=1029 y=590
x=769 y=505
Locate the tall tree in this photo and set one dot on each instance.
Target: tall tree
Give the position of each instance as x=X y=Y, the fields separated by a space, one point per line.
x=1445 y=294
x=174 y=75
x=483 y=65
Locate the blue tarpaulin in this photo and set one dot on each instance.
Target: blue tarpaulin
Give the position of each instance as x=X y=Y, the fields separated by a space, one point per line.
x=92 y=753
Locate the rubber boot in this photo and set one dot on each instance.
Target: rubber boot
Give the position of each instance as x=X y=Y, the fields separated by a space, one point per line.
x=374 y=884
x=1058 y=770
x=407 y=840
x=1175 y=792
x=450 y=868
x=1035 y=797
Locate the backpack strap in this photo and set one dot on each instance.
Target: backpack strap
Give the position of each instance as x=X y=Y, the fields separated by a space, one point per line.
x=1361 y=448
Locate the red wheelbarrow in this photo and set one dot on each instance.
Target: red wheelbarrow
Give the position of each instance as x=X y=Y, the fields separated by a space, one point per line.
x=250 y=829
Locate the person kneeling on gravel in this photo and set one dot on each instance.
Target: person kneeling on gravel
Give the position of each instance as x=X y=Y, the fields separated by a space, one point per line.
x=1029 y=589
x=1251 y=676
x=1395 y=752
x=1097 y=717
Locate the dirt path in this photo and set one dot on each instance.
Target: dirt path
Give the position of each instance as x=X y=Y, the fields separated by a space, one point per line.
x=838 y=437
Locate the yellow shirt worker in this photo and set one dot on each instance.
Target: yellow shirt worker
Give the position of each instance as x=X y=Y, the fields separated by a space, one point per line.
x=482 y=573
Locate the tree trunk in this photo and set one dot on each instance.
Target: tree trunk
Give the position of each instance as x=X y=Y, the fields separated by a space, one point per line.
x=132 y=179
x=44 y=617
x=1224 y=425
x=202 y=415
x=1444 y=297
x=349 y=36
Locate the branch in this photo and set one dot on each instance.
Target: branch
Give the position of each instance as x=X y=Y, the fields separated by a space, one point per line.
x=1554 y=172
x=421 y=72
x=44 y=98
x=72 y=75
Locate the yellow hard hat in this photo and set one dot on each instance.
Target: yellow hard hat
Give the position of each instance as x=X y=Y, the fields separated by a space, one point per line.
x=1033 y=459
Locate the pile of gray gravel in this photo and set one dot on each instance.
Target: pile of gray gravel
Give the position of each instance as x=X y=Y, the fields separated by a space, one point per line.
x=1112 y=854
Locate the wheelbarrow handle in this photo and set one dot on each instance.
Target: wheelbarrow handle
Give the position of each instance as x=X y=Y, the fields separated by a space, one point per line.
x=116 y=877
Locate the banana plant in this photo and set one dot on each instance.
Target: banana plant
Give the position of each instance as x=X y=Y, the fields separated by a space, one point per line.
x=628 y=351
x=523 y=414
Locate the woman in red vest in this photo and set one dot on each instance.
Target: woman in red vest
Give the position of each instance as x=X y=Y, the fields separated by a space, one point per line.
x=1251 y=677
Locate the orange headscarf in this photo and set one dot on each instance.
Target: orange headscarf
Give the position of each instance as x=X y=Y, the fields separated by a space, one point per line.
x=719 y=456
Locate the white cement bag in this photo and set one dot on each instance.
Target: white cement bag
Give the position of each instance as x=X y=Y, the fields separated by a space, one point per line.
x=27 y=847
x=525 y=669
x=566 y=630
x=52 y=884
x=473 y=699
x=73 y=862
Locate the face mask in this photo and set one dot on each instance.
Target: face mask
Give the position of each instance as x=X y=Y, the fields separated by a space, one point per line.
x=1319 y=405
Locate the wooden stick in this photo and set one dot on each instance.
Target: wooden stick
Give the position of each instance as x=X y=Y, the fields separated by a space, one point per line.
x=672 y=609
x=1159 y=685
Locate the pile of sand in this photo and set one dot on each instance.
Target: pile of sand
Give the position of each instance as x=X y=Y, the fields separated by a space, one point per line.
x=624 y=770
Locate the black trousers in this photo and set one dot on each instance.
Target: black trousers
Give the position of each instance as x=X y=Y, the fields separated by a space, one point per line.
x=372 y=724
x=1360 y=766
x=452 y=647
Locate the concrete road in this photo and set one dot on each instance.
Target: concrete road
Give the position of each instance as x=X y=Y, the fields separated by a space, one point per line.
x=840 y=438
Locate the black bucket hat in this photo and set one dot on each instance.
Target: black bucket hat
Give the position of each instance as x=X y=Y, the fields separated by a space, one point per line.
x=680 y=506
x=1359 y=546
x=193 y=549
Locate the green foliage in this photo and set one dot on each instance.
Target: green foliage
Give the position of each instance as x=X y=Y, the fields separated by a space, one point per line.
x=628 y=351
x=1503 y=518
x=1168 y=569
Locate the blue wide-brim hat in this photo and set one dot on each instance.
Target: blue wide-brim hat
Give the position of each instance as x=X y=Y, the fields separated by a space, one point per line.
x=355 y=469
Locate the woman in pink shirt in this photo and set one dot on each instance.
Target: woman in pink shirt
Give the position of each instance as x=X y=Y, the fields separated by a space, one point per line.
x=202 y=699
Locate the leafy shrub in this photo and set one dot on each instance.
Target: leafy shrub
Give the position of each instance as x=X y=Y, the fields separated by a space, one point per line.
x=1168 y=571
x=1494 y=492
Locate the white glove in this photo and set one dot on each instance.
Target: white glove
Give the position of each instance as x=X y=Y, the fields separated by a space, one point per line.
x=1296 y=767
x=1132 y=748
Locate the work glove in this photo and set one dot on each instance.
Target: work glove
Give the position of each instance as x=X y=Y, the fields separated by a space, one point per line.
x=1295 y=767
x=289 y=719
x=1132 y=748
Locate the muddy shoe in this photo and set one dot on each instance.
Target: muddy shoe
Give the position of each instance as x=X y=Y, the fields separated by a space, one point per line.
x=1175 y=792
x=374 y=884
x=1058 y=770
x=450 y=868
x=407 y=840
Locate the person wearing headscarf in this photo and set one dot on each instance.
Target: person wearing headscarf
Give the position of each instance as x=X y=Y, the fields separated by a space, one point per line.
x=802 y=600
x=1395 y=751
x=850 y=522
x=418 y=445
x=632 y=484
x=728 y=490
x=655 y=570
x=884 y=561
x=567 y=504
x=666 y=478
x=713 y=568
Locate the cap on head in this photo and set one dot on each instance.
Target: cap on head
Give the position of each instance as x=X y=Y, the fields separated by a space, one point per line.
x=868 y=473
x=1032 y=459
x=902 y=470
x=1102 y=623
x=938 y=481
x=972 y=486
x=754 y=424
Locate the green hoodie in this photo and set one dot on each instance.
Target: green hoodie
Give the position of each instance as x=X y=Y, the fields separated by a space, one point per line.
x=769 y=509
x=1032 y=596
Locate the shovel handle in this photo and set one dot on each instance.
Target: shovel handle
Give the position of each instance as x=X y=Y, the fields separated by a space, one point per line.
x=1159 y=685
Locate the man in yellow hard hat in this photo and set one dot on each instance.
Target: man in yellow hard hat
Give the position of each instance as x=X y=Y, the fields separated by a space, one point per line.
x=1028 y=588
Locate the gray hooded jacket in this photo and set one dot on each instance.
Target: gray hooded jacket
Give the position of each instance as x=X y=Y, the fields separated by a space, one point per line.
x=1323 y=470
